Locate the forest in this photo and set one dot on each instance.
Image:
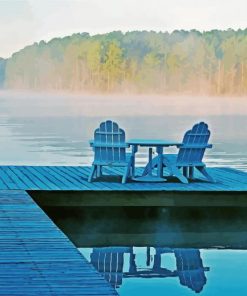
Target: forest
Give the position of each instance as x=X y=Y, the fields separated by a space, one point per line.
x=193 y=62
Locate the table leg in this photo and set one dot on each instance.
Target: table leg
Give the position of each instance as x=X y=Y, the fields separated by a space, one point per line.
x=160 y=162
x=150 y=158
x=147 y=175
x=134 y=150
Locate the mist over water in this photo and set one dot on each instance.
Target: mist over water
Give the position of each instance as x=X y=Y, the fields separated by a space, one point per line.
x=42 y=128
x=21 y=103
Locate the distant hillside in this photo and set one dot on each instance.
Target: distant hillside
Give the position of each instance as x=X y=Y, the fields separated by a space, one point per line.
x=213 y=62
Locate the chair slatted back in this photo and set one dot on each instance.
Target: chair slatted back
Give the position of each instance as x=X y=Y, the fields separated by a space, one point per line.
x=191 y=271
x=195 y=142
x=110 y=264
x=109 y=143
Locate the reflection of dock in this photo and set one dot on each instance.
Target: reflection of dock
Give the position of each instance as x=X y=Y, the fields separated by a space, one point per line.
x=36 y=258
x=225 y=239
x=189 y=266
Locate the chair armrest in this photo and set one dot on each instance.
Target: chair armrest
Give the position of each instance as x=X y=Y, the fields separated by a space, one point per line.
x=105 y=145
x=195 y=146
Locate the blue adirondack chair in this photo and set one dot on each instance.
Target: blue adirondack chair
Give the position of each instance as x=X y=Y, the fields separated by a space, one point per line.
x=110 y=150
x=190 y=155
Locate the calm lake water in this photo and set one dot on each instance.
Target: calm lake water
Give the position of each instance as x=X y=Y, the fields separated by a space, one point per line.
x=179 y=260
x=55 y=129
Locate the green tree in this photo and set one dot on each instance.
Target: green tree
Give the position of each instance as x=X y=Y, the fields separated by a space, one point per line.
x=113 y=65
x=94 y=63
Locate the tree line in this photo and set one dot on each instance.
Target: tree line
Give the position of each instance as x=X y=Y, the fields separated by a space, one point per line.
x=213 y=62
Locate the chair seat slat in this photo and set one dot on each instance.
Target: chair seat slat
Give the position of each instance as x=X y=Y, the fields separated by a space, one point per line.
x=109 y=163
x=187 y=164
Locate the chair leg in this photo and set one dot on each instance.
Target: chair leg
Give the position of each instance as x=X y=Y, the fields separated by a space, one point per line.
x=185 y=172
x=204 y=172
x=191 y=173
x=99 y=171
x=177 y=173
x=91 y=175
x=131 y=172
x=125 y=175
x=128 y=172
x=132 y=166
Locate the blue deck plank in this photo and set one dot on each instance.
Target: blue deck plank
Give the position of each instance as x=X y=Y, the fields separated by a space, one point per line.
x=29 y=182
x=9 y=183
x=78 y=177
x=230 y=179
x=81 y=172
x=36 y=258
x=18 y=181
x=53 y=177
x=2 y=184
x=44 y=178
x=112 y=185
x=26 y=172
x=71 y=182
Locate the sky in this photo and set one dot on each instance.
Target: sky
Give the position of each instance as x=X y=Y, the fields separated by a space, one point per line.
x=23 y=22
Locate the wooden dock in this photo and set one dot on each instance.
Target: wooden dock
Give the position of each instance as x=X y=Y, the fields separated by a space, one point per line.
x=36 y=258
x=67 y=178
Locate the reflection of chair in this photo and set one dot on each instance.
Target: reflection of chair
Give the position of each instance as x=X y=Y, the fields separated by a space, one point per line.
x=110 y=150
x=190 y=269
x=190 y=155
x=110 y=263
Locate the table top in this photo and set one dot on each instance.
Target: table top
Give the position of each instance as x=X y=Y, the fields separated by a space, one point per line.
x=153 y=142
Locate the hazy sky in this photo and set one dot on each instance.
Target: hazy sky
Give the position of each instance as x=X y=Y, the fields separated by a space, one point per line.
x=23 y=22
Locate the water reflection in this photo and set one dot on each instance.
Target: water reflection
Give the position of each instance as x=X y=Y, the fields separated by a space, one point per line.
x=113 y=263
x=162 y=251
